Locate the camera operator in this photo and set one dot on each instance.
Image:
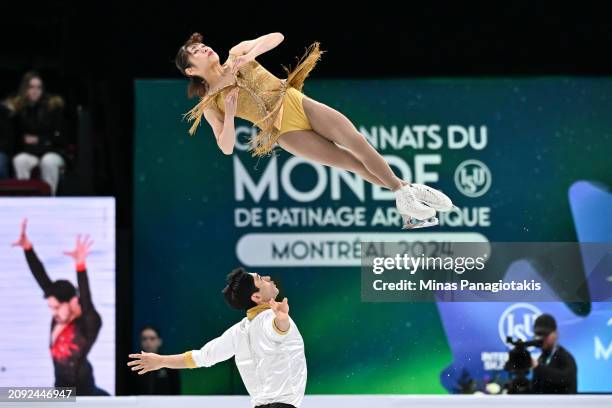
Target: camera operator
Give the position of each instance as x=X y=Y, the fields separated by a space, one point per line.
x=554 y=372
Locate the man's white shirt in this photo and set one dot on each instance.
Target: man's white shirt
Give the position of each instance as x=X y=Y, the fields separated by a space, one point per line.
x=271 y=363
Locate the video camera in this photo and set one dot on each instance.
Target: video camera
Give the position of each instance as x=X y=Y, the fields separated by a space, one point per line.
x=519 y=363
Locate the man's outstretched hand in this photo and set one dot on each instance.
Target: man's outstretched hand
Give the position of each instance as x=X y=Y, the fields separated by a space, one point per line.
x=23 y=240
x=145 y=362
x=281 y=311
x=79 y=254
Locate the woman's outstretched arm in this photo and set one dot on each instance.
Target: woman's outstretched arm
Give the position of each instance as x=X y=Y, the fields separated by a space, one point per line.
x=258 y=46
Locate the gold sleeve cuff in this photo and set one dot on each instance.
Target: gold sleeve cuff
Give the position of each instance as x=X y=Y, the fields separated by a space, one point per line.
x=276 y=329
x=189 y=361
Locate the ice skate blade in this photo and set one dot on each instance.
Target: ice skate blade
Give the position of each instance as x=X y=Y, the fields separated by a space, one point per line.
x=410 y=224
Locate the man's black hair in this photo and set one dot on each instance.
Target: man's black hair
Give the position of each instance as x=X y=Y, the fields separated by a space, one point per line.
x=62 y=290
x=240 y=287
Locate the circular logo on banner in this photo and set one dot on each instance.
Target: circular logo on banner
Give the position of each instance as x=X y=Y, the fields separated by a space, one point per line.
x=473 y=178
x=517 y=322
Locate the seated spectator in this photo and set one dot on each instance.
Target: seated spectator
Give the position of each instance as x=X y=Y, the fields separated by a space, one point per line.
x=161 y=382
x=38 y=129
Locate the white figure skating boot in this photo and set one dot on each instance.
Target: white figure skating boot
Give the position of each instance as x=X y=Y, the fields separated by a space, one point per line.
x=431 y=197
x=413 y=212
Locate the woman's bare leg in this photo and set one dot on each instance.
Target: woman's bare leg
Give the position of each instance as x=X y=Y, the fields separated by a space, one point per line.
x=337 y=128
x=312 y=146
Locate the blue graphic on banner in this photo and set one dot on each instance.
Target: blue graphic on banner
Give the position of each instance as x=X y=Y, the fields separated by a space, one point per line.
x=477 y=332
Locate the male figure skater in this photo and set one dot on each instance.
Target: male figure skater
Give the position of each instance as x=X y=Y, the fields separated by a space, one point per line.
x=76 y=322
x=266 y=344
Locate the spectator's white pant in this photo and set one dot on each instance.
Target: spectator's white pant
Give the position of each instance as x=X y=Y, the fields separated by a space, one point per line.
x=50 y=166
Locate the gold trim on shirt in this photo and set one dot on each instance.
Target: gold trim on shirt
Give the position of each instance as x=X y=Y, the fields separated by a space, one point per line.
x=189 y=361
x=276 y=329
x=255 y=310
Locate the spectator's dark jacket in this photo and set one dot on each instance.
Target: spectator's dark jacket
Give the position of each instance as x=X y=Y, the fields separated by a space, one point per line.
x=45 y=120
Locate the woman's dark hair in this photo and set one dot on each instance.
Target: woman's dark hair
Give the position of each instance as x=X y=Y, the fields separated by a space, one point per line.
x=62 y=290
x=240 y=287
x=197 y=86
x=21 y=99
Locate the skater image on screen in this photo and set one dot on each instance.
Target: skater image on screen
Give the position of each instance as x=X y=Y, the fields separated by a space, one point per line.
x=75 y=322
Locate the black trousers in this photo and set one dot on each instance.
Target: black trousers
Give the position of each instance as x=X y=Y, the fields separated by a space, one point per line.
x=276 y=405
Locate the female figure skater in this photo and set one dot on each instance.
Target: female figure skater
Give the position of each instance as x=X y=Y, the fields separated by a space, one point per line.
x=300 y=125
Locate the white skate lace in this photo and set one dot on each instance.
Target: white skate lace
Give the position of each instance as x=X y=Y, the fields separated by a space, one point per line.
x=428 y=195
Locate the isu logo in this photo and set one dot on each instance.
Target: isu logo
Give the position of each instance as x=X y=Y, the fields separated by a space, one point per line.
x=517 y=322
x=473 y=178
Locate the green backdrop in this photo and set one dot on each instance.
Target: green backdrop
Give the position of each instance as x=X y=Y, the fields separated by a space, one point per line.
x=542 y=134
